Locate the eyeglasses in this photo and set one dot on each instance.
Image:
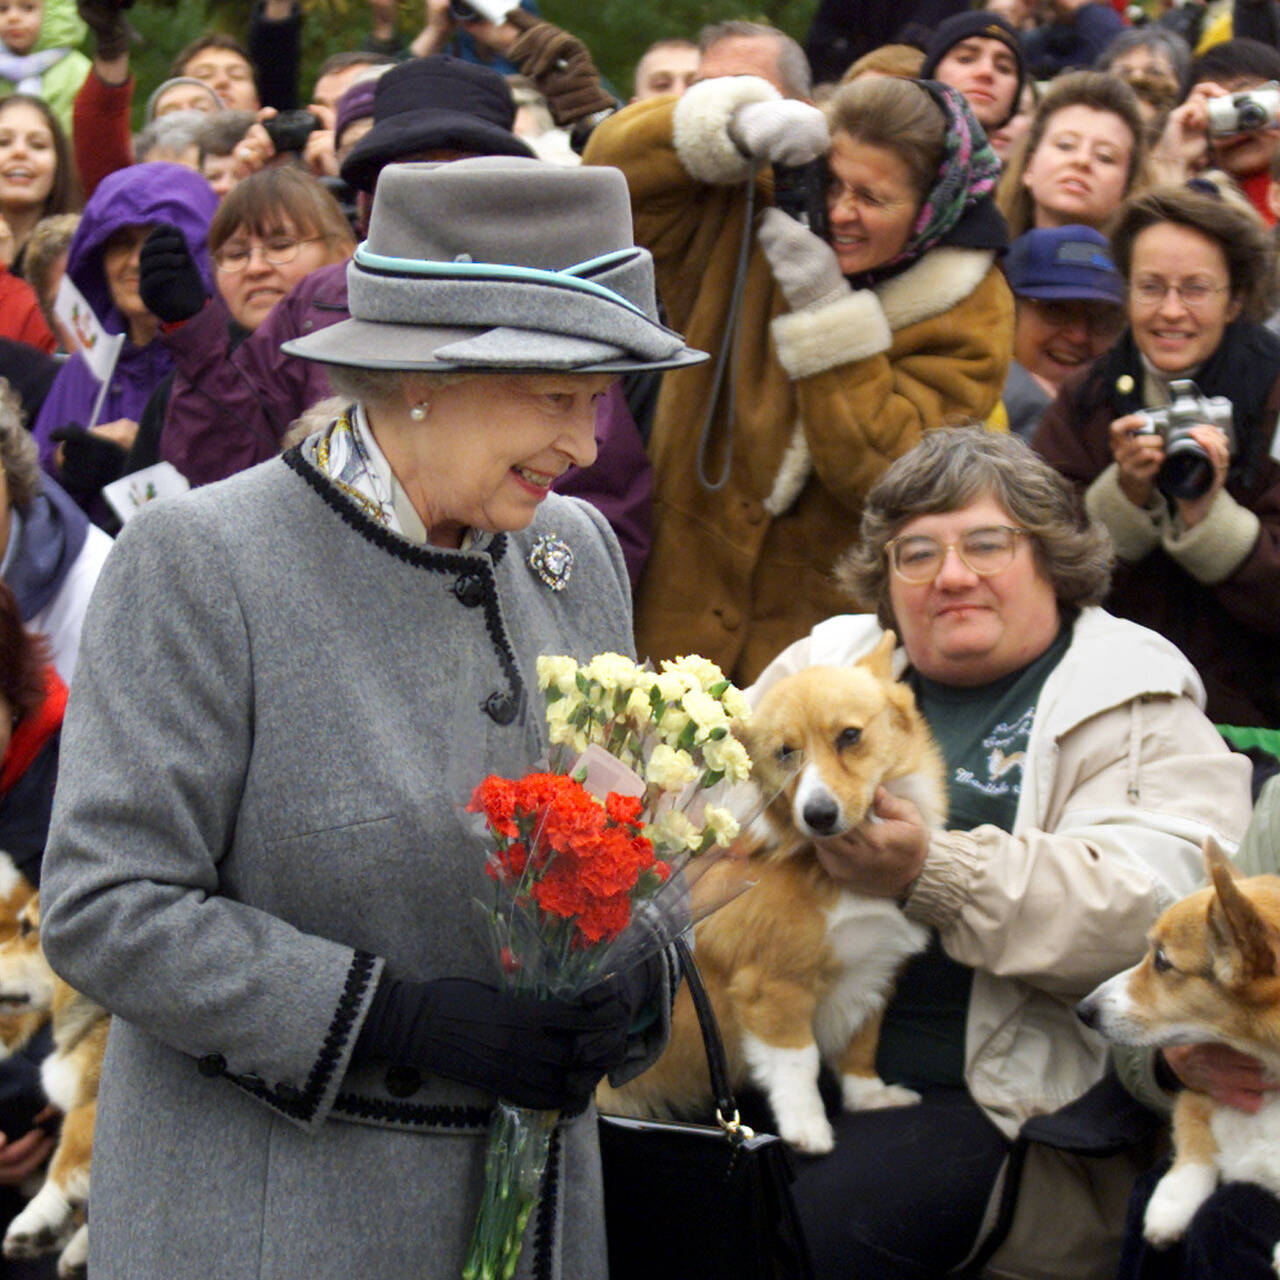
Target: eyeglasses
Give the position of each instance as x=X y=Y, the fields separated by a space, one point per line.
x=839 y=191
x=1193 y=293
x=1101 y=319
x=918 y=558
x=276 y=252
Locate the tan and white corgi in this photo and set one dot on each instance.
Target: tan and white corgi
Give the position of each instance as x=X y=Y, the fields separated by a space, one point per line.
x=29 y=988
x=1211 y=974
x=799 y=969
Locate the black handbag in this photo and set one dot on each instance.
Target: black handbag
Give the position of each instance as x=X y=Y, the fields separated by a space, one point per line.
x=700 y=1200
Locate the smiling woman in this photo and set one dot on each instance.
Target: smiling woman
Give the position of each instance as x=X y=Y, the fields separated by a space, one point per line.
x=334 y=647
x=37 y=175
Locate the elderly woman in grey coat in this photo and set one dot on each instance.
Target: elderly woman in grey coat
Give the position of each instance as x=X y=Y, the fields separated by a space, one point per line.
x=289 y=682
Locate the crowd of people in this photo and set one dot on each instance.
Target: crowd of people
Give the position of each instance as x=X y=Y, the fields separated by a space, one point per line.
x=954 y=322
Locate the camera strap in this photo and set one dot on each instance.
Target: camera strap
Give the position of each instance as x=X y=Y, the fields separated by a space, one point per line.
x=727 y=358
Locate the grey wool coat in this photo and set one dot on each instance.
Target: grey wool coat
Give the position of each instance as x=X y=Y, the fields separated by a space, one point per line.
x=279 y=709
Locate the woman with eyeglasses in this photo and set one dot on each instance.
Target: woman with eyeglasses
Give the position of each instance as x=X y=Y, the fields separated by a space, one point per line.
x=851 y=342
x=271 y=230
x=1193 y=511
x=1082 y=777
x=83 y=437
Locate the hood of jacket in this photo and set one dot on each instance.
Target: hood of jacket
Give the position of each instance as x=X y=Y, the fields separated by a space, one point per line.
x=140 y=195
x=61 y=27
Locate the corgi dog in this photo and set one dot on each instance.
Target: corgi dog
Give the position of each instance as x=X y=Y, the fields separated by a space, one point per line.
x=1210 y=974
x=798 y=968
x=69 y=1075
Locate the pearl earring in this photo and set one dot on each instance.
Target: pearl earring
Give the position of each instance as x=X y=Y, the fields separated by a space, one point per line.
x=419 y=411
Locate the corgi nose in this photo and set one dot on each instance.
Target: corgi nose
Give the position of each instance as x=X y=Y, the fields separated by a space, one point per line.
x=821 y=815
x=1087 y=1012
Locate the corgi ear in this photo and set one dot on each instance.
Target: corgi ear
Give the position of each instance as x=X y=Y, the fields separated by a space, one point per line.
x=1243 y=944
x=880 y=660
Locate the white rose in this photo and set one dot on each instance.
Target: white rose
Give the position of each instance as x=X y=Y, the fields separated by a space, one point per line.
x=612 y=670
x=673 y=831
x=673 y=723
x=669 y=769
x=701 y=669
x=556 y=671
x=722 y=825
x=705 y=712
x=673 y=685
x=728 y=756
x=736 y=705
x=639 y=709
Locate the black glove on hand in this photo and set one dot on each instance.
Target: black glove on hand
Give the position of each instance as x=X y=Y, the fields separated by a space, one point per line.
x=169 y=282
x=544 y=1054
x=88 y=461
x=105 y=18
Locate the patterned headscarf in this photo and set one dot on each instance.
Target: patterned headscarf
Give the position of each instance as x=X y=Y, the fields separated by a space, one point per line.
x=968 y=173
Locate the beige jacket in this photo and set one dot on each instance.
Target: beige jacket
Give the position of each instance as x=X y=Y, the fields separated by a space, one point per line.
x=1124 y=777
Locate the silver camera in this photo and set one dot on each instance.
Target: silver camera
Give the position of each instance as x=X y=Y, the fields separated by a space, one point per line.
x=1245 y=112
x=1187 y=470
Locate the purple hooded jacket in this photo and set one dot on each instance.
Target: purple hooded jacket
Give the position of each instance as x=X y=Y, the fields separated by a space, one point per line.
x=141 y=195
x=229 y=409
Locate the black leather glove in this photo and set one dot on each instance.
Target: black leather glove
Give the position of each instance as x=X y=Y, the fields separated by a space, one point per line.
x=544 y=1054
x=111 y=30
x=169 y=282
x=88 y=461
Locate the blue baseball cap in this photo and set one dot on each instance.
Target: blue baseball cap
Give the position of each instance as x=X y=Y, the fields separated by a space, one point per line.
x=1063 y=262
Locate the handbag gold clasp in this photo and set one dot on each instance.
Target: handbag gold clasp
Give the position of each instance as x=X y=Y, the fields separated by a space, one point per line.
x=734 y=1126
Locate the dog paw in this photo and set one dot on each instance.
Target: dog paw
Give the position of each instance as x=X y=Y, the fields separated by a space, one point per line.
x=811 y=1134
x=73 y=1261
x=1175 y=1200
x=29 y=1244
x=870 y=1093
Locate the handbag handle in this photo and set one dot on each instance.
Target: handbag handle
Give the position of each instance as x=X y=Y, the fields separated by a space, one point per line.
x=717 y=1064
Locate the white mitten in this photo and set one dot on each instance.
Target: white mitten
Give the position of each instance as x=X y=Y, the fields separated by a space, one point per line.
x=782 y=131
x=804 y=265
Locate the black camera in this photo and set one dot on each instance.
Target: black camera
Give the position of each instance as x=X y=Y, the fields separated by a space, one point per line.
x=800 y=191
x=290 y=130
x=1187 y=470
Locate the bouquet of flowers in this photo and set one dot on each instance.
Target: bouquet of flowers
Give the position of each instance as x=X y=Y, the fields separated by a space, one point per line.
x=599 y=861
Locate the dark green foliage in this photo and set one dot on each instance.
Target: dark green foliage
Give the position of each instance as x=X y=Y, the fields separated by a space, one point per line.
x=616 y=31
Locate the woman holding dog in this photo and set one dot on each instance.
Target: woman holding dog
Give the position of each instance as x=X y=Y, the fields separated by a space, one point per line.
x=1196 y=527
x=1083 y=775
x=289 y=684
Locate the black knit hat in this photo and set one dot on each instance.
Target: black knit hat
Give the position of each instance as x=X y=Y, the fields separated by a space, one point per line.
x=981 y=24
x=435 y=103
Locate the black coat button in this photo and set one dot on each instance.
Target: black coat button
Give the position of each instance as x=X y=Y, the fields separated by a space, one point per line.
x=469 y=590
x=289 y=1094
x=212 y=1064
x=500 y=708
x=403 y=1082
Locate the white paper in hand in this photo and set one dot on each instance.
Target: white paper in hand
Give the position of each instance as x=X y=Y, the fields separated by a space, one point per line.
x=128 y=495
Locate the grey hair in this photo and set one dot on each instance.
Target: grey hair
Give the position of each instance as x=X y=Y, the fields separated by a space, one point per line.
x=172 y=134
x=952 y=467
x=794 y=73
x=18 y=453
x=382 y=386
x=1170 y=43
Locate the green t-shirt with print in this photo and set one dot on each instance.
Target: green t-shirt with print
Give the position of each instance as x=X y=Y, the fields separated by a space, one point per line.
x=983 y=734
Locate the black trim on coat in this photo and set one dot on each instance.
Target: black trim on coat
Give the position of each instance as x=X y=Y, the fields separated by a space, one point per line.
x=434 y=562
x=413 y=1113
x=544 y=1236
x=302 y=1104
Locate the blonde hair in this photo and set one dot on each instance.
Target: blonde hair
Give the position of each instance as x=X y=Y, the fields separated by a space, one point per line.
x=1098 y=90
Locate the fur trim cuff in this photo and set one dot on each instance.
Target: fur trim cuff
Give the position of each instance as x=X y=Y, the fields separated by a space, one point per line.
x=940 y=280
x=1215 y=548
x=850 y=329
x=1135 y=531
x=793 y=471
x=700 y=127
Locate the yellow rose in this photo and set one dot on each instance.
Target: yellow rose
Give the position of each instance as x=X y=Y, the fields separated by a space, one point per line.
x=698 y=668
x=669 y=769
x=672 y=831
x=728 y=756
x=722 y=825
x=705 y=712
x=557 y=672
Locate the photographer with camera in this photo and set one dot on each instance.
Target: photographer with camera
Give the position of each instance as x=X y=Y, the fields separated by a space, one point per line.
x=838 y=347
x=1171 y=435
x=1230 y=120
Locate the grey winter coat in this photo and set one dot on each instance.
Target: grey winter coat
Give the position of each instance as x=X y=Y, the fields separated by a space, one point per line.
x=279 y=708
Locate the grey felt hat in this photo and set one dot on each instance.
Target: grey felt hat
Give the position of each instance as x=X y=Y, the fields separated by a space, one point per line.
x=500 y=263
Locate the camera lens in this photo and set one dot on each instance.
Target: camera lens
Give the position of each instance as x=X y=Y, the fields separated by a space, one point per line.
x=1251 y=115
x=1187 y=471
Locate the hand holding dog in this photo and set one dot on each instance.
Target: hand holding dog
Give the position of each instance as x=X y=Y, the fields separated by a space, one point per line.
x=21 y=1158
x=1229 y=1077
x=884 y=855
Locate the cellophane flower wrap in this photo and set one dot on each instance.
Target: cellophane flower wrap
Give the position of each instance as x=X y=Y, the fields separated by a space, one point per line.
x=600 y=860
